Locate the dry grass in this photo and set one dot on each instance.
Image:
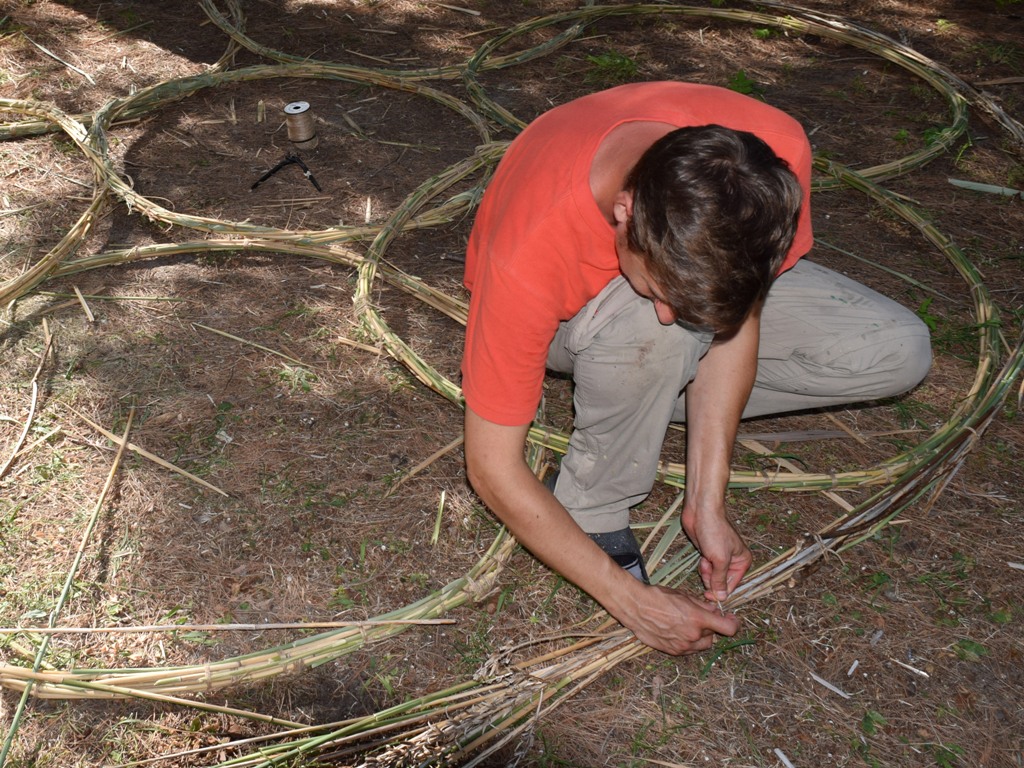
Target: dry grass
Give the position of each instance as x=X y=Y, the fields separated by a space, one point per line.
x=312 y=436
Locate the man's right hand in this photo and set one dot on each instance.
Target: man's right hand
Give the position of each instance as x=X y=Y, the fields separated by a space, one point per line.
x=662 y=618
x=672 y=621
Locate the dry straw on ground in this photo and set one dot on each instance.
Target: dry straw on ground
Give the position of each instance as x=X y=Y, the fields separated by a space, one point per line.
x=472 y=720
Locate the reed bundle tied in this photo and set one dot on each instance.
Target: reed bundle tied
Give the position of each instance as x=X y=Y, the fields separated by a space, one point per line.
x=472 y=719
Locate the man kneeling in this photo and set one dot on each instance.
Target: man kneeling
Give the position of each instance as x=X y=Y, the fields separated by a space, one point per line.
x=647 y=240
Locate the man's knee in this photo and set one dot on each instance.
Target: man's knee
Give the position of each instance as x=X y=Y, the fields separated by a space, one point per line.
x=888 y=361
x=913 y=353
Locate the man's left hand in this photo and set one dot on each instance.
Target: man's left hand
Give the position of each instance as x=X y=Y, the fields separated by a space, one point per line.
x=724 y=557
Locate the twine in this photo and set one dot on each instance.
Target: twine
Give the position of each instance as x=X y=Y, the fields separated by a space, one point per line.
x=301 y=130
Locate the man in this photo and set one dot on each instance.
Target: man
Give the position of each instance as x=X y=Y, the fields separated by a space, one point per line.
x=630 y=238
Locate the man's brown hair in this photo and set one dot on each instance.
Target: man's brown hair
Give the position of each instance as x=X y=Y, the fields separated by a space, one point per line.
x=714 y=215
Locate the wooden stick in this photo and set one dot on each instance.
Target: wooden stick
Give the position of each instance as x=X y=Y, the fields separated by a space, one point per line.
x=808 y=435
x=69 y=582
x=437 y=522
x=1002 y=81
x=991 y=189
x=358 y=345
x=888 y=270
x=102 y=297
x=35 y=399
x=426 y=463
x=367 y=56
x=53 y=55
x=14 y=211
x=85 y=307
x=227 y=335
x=214 y=627
x=147 y=455
x=121 y=32
x=115 y=691
x=38 y=441
x=859 y=438
x=469 y=11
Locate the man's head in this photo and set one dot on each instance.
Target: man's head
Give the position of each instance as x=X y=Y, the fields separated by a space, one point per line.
x=711 y=213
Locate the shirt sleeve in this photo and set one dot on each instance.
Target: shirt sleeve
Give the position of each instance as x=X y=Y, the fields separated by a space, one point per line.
x=510 y=328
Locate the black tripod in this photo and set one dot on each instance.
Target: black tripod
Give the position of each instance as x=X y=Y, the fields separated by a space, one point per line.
x=289 y=159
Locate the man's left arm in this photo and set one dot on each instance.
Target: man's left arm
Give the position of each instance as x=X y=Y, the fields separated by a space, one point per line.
x=715 y=400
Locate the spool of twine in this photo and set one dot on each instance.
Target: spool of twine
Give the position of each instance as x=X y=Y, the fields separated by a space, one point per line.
x=301 y=130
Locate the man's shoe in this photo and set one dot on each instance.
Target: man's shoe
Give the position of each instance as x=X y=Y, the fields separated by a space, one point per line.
x=620 y=546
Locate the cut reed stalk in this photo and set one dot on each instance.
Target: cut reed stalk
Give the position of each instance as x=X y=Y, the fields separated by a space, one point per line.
x=65 y=593
x=16 y=450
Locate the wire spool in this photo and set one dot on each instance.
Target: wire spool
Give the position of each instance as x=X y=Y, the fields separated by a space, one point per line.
x=301 y=131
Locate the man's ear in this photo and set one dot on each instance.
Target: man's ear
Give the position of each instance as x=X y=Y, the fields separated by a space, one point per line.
x=622 y=206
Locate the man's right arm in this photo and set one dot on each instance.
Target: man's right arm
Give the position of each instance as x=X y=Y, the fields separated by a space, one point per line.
x=662 y=618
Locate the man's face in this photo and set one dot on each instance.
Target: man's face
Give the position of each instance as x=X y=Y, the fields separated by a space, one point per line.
x=634 y=269
x=632 y=265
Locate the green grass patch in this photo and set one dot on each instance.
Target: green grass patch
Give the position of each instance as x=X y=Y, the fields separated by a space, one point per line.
x=611 y=68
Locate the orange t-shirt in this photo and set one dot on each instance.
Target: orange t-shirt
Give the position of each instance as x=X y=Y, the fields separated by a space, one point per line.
x=540 y=248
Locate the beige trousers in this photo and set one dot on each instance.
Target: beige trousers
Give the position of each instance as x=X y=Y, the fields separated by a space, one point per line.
x=825 y=340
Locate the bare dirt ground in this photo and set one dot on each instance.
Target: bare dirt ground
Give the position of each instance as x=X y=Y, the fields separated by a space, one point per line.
x=917 y=630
